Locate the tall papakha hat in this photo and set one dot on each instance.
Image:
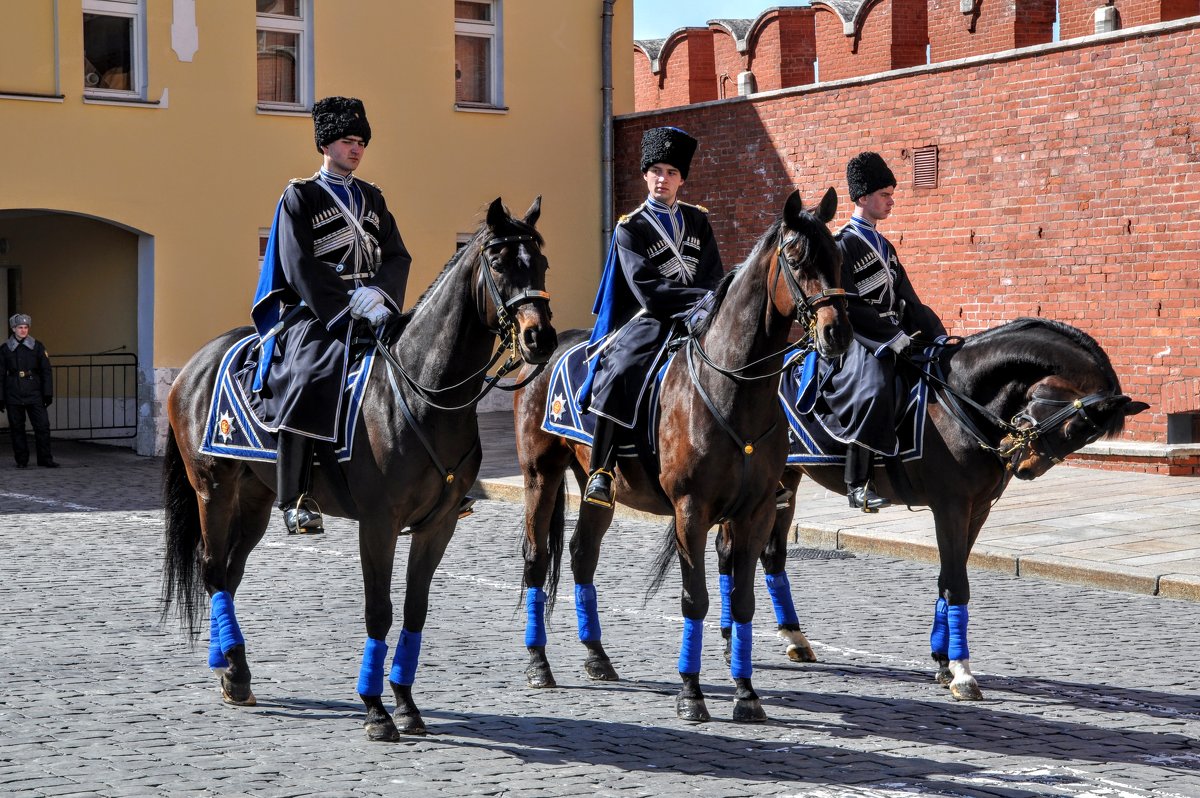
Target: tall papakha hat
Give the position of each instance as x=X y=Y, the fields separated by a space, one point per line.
x=867 y=172
x=17 y=319
x=668 y=145
x=338 y=117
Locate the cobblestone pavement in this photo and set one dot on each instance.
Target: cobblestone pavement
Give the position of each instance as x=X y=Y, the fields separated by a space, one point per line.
x=1089 y=692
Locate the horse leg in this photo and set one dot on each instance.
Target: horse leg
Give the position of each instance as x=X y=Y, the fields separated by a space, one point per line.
x=746 y=543
x=689 y=704
x=545 y=508
x=377 y=552
x=424 y=555
x=774 y=562
x=593 y=523
x=956 y=531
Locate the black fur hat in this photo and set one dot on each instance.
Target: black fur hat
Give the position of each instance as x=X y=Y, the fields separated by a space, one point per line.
x=866 y=173
x=337 y=117
x=668 y=145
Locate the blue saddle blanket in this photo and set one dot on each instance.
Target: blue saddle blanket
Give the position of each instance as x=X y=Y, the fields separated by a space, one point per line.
x=809 y=443
x=563 y=416
x=232 y=429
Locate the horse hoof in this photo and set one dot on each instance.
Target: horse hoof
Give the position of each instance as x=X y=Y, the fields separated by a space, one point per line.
x=944 y=677
x=801 y=654
x=748 y=711
x=247 y=701
x=966 y=691
x=692 y=709
x=539 y=678
x=382 y=731
x=410 y=724
x=600 y=670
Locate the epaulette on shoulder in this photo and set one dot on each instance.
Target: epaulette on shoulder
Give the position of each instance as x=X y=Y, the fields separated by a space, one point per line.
x=625 y=217
x=295 y=180
x=700 y=208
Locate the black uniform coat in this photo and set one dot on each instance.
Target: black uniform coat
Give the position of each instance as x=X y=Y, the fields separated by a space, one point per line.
x=27 y=378
x=857 y=391
x=645 y=289
x=322 y=257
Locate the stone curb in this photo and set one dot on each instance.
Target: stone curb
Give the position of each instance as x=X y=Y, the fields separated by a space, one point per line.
x=1183 y=587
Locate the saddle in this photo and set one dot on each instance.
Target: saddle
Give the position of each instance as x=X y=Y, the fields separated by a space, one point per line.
x=809 y=443
x=233 y=430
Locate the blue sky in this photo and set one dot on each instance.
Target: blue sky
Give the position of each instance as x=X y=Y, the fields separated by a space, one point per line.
x=656 y=19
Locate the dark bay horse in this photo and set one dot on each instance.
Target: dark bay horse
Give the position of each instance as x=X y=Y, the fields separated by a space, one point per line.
x=1014 y=400
x=417 y=453
x=722 y=443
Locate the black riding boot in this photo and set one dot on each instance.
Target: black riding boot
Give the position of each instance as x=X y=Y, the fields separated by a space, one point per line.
x=599 y=488
x=293 y=479
x=859 y=489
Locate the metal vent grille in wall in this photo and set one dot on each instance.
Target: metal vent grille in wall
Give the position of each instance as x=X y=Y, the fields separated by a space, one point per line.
x=925 y=167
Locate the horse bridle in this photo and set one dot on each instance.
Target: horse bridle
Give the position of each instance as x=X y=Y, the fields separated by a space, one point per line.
x=1025 y=432
x=805 y=314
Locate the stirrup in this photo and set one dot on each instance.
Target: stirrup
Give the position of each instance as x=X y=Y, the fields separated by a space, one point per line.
x=599 y=490
x=466 y=507
x=304 y=518
x=866 y=499
x=782 y=497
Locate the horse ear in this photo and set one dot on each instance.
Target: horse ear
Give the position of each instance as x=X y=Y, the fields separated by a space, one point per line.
x=496 y=215
x=792 y=209
x=828 y=206
x=535 y=210
x=1133 y=408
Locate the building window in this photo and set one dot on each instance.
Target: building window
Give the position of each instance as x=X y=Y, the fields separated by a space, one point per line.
x=284 y=54
x=114 y=49
x=478 y=53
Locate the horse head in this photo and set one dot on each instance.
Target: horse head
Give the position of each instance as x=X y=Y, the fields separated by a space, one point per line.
x=811 y=265
x=1060 y=418
x=512 y=282
x=1065 y=393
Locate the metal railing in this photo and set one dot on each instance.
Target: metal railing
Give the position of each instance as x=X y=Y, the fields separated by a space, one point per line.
x=95 y=395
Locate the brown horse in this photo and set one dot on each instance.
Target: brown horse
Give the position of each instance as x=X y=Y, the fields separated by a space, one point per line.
x=722 y=442
x=1060 y=391
x=416 y=454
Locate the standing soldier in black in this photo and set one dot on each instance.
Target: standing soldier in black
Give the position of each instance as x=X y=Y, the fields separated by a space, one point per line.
x=858 y=389
x=663 y=260
x=26 y=389
x=334 y=257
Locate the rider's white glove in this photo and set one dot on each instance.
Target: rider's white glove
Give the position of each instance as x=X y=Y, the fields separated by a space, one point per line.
x=900 y=344
x=364 y=300
x=378 y=314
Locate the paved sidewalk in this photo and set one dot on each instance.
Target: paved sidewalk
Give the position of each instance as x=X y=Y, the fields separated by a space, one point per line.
x=1112 y=529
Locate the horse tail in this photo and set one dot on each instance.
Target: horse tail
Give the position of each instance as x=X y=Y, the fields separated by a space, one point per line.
x=182 y=582
x=665 y=558
x=558 y=523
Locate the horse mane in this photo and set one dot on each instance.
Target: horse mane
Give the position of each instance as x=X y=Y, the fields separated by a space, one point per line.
x=765 y=241
x=1032 y=356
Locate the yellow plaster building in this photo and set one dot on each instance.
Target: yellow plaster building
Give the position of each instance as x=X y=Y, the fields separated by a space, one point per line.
x=149 y=141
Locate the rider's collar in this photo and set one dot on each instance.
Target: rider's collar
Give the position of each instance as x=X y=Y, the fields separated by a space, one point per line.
x=862 y=221
x=336 y=179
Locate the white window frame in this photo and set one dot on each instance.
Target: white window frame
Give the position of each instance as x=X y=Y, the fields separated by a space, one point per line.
x=136 y=11
x=304 y=54
x=493 y=31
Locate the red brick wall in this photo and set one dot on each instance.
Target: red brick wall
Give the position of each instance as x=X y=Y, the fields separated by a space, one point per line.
x=729 y=62
x=835 y=54
x=1078 y=16
x=1079 y=205
x=687 y=72
x=998 y=26
x=783 y=49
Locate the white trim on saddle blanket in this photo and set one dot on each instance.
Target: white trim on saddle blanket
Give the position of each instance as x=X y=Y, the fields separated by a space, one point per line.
x=563 y=416
x=809 y=443
x=232 y=429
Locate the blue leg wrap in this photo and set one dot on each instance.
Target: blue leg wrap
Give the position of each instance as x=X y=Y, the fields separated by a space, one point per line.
x=693 y=642
x=743 y=642
x=215 y=658
x=586 y=613
x=939 y=637
x=726 y=592
x=535 y=617
x=780 y=589
x=404 y=666
x=957 y=617
x=370 y=675
x=228 y=633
